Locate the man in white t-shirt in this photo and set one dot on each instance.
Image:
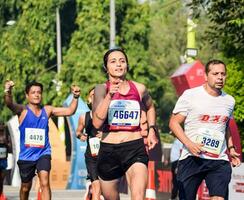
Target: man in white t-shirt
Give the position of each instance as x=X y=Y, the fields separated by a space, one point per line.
x=205 y=112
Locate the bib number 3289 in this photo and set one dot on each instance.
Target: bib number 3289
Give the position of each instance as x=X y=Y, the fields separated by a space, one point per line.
x=212 y=140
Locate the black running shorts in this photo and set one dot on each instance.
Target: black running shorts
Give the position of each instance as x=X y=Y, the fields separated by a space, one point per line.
x=193 y=170
x=28 y=169
x=115 y=159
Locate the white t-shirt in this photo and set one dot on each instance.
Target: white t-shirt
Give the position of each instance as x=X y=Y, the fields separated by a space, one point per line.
x=206 y=120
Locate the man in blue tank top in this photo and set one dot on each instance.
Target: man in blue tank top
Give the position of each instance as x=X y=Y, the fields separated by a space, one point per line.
x=35 y=149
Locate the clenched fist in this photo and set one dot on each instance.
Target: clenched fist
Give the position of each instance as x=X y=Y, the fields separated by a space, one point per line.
x=76 y=91
x=8 y=85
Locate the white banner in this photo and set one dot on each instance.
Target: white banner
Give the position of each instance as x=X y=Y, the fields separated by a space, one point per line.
x=13 y=127
x=236 y=186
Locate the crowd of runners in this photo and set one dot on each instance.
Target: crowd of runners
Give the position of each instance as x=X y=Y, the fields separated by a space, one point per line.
x=113 y=132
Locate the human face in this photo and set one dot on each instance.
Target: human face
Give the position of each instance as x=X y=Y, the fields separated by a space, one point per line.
x=34 y=95
x=216 y=76
x=116 y=65
x=91 y=97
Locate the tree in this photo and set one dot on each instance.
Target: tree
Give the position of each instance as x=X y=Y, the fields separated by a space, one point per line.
x=27 y=48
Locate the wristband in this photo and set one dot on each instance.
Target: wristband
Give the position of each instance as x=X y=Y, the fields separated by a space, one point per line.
x=231 y=147
x=76 y=96
x=154 y=127
x=79 y=136
x=6 y=90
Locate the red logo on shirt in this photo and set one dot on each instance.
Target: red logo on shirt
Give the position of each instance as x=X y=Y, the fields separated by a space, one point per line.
x=214 y=118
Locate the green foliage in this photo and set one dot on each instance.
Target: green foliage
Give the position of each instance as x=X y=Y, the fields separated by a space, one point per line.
x=82 y=62
x=235 y=87
x=167 y=42
x=227 y=28
x=27 y=48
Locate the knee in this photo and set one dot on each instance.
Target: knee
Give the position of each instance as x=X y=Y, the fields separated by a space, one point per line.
x=25 y=188
x=44 y=184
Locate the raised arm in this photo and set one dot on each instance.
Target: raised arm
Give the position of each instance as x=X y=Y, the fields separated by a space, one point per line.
x=66 y=111
x=8 y=99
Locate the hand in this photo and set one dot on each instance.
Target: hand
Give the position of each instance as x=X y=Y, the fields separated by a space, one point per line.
x=235 y=160
x=82 y=137
x=8 y=85
x=114 y=86
x=75 y=90
x=99 y=134
x=195 y=148
x=152 y=140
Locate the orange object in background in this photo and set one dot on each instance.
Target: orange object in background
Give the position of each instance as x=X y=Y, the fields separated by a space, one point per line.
x=151 y=188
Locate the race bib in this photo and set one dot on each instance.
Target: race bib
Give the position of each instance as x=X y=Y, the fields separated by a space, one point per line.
x=124 y=114
x=94 y=145
x=3 y=152
x=34 y=137
x=212 y=139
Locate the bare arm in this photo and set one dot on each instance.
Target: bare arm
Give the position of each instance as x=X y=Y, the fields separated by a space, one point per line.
x=175 y=125
x=233 y=154
x=65 y=111
x=151 y=118
x=8 y=99
x=80 y=128
x=100 y=105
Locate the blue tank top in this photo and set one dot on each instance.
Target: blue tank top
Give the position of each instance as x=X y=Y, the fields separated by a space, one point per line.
x=34 y=140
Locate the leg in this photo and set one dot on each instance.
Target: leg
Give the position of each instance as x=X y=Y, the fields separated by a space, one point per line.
x=137 y=177
x=174 y=191
x=96 y=190
x=25 y=190
x=189 y=177
x=217 y=180
x=1 y=181
x=110 y=190
x=44 y=184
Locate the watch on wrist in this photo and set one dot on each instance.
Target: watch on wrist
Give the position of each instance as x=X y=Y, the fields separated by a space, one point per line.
x=231 y=147
x=76 y=96
x=79 y=136
x=154 y=127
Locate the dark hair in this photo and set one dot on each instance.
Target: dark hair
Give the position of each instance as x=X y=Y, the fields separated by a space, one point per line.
x=105 y=57
x=33 y=83
x=213 y=62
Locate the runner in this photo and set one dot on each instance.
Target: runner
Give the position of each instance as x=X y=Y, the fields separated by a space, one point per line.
x=3 y=157
x=86 y=132
x=205 y=112
x=35 y=149
x=117 y=109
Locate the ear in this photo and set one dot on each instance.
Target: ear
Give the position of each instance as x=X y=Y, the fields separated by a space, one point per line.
x=104 y=68
x=205 y=77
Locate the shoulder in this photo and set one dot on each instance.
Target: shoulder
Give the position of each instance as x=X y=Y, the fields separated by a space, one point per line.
x=100 y=88
x=140 y=87
x=48 y=109
x=192 y=91
x=228 y=97
x=82 y=118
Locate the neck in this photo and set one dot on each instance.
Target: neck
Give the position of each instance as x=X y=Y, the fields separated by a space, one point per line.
x=123 y=79
x=212 y=91
x=34 y=106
